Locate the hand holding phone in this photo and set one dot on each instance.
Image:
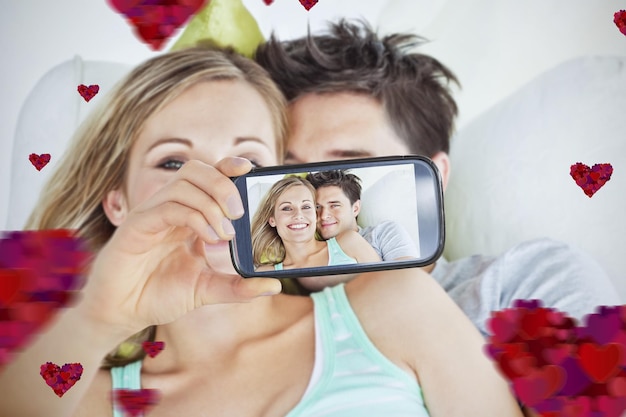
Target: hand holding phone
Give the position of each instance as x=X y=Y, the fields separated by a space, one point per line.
x=339 y=217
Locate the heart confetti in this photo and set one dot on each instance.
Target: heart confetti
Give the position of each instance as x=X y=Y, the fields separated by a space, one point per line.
x=268 y=2
x=39 y=161
x=40 y=272
x=619 y=18
x=155 y=21
x=558 y=368
x=153 y=348
x=135 y=401
x=591 y=179
x=61 y=378
x=308 y=4
x=88 y=92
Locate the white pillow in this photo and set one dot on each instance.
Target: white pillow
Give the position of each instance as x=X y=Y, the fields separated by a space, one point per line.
x=392 y=197
x=50 y=115
x=510 y=177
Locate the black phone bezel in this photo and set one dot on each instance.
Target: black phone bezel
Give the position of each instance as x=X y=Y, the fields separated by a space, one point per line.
x=242 y=240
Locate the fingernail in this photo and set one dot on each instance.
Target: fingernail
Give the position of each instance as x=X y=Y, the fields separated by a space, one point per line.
x=239 y=161
x=234 y=206
x=212 y=233
x=228 y=227
x=265 y=294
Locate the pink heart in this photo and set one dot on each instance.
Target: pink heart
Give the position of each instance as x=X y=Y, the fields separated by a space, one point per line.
x=135 y=401
x=61 y=378
x=153 y=348
x=155 y=21
x=88 y=92
x=591 y=179
x=39 y=161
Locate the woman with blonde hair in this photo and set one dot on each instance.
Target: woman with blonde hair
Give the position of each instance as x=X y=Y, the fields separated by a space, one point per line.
x=283 y=232
x=146 y=183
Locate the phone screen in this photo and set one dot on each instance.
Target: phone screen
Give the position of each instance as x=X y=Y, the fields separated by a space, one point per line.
x=339 y=217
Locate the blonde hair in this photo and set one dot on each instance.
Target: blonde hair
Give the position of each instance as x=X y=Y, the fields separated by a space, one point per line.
x=97 y=158
x=267 y=246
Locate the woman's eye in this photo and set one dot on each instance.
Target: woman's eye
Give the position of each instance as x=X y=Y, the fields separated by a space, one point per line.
x=171 y=164
x=286 y=208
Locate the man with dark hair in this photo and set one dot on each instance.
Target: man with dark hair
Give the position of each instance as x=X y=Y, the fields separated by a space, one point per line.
x=338 y=206
x=355 y=94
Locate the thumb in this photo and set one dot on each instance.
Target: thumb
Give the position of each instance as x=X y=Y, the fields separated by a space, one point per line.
x=216 y=288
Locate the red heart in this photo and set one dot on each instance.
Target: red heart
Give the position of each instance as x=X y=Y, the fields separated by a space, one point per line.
x=40 y=272
x=553 y=363
x=619 y=18
x=62 y=378
x=308 y=3
x=153 y=348
x=10 y=281
x=88 y=92
x=600 y=362
x=135 y=401
x=39 y=161
x=591 y=179
x=268 y=2
x=155 y=21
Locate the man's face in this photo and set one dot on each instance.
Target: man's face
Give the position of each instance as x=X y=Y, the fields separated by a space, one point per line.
x=335 y=214
x=333 y=126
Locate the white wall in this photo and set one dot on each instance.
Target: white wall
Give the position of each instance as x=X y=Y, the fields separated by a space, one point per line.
x=494 y=46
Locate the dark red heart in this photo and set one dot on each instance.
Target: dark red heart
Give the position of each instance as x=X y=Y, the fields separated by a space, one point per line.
x=308 y=3
x=153 y=348
x=61 y=378
x=155 y=21
x=591 y=179
x=39 y=161
x=581 y=372
x=40 y=272
x=88 y=92
x=268 y=2
x=619 y=18
x=135 y=401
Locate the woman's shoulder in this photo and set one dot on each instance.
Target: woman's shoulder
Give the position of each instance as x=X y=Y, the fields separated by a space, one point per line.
x=403 y=302
x=97 y=400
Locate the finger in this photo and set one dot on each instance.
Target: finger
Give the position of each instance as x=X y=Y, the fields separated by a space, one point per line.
x=233 y=166
x=189 y=195
x=216 y=184
x=221 y=288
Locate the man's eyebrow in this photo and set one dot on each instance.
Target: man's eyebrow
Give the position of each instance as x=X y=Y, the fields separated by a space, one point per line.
x=170 y=140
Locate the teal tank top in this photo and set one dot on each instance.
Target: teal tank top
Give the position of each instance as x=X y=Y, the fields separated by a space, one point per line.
x=351 y=377
x=336 y=255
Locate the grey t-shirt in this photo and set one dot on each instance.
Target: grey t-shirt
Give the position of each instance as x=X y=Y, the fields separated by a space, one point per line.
x=560 y=275
x=390 y=240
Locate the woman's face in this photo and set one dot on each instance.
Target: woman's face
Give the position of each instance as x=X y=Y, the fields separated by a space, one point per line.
x=207 y=122
x=295 y=217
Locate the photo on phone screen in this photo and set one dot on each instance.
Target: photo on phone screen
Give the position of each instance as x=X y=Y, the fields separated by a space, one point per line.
x=339 y=217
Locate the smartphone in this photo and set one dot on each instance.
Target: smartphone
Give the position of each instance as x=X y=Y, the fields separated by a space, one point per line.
x=310 y=219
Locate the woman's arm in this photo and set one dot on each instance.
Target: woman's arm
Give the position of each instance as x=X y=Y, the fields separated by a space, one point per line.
x=411 y=319
x=156 y=254
x=356 y=247
x=73 y=337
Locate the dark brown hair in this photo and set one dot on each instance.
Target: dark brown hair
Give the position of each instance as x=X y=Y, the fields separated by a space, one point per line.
x=413 y=88
x=350 y=184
